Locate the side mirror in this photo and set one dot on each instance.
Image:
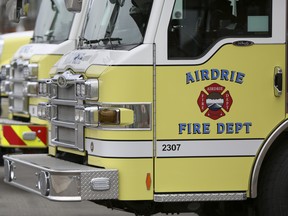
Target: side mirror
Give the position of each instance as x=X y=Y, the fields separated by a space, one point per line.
x=17 y=9
x=74 y=5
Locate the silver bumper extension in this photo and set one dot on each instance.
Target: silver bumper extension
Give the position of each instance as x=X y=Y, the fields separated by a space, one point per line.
x=60 y=180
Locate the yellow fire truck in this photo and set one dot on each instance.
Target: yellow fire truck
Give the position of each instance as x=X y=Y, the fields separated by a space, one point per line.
x=55 y=33
x=9 y=43
x=161 y=109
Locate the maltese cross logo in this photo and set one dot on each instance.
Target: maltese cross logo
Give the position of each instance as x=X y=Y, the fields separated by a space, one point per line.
x=214 y=101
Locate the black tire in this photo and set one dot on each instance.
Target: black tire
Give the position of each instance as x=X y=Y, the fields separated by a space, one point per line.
x=3 y=151
x=272 y=199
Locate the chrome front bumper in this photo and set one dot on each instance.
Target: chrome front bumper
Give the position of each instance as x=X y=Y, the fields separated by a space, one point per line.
x=60 y=180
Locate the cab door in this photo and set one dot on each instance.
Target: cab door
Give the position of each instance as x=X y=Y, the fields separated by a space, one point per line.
x=218 y=91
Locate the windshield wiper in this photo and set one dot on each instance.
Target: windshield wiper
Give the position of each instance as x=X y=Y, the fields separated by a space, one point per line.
x=83 y=41
x=110 y=40
x=36 y=37
x=50 y=35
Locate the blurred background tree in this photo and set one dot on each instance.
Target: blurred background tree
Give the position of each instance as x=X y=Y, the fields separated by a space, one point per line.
x=25 y=24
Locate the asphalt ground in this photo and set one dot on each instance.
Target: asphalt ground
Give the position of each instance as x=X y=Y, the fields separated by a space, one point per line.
x=18 y=202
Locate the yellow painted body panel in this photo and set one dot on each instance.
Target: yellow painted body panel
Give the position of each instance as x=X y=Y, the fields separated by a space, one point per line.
x=52 y=150
x=45 y=63
x=11 y=45
x=53 y=71
x=36 y=120
x=126 y=116
x=132 y=176
x=94 y=71
x=126 y=84
x=203 y=174
x=37 y=100
x=251 y=100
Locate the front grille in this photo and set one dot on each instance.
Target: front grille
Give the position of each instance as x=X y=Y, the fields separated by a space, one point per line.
x=18 y=88
x=66 y=93
x=18 y=101
x=66 y=135
x=65 y=131
x=17 y=70
x=66 y=113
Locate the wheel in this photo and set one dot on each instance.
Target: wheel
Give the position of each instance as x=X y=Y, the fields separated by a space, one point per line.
x=272 y=199
x=3 y=151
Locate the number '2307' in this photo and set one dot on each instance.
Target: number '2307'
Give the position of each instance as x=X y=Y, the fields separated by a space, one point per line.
x=171 y=147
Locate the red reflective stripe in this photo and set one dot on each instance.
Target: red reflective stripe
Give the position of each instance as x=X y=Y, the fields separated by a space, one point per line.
x=11 y=136
x=41 y=132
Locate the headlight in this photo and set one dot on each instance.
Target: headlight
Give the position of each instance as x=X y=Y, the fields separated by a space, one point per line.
x=92 y=116
x=2 y=87
x=109 y=116
x=45 y=111
x=31 y=88
x=44 y=88
x=8 y=87
x=79 y=115
x=5 y=71
x=95 y=116
x=30 y=71
x=87 y=90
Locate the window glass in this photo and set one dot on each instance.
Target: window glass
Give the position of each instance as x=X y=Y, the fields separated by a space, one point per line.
x=197 y=25
x=54 y=22
x=116 y=24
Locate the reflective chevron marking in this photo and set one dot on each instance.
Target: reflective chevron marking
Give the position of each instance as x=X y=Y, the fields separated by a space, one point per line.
x=14 y=135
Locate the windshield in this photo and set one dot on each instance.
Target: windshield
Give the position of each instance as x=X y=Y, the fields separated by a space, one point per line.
x=115 y=24
x=53 y=22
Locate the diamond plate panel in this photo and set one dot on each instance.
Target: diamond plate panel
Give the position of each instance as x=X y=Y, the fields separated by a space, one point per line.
x=199 y=197
x=87 y=192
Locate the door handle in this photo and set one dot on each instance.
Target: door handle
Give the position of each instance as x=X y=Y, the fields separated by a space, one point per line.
x=278 y=81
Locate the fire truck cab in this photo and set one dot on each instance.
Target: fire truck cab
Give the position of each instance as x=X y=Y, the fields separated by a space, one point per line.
x=161 y=107
x=56 y=31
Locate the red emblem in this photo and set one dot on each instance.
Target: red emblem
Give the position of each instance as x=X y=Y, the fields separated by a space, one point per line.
x=215 y=101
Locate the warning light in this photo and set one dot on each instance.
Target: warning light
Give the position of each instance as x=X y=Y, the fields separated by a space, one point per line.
x=148 y=181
